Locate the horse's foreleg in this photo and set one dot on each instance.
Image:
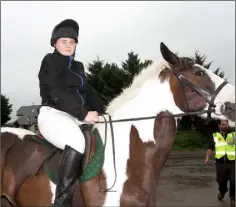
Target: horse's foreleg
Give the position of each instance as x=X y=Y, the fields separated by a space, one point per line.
x=164 y=133
x=91 y=191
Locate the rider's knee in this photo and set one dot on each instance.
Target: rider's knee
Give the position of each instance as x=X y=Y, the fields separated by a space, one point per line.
x=78 y=143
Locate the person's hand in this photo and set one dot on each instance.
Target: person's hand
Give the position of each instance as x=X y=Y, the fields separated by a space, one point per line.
x=91 y=117
x=207 y=162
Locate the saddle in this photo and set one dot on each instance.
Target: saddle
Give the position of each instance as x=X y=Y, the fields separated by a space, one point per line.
x=90 y=144
x=52 y=162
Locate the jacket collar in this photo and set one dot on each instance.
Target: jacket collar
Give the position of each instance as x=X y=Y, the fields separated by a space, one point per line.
x=63 y=58
x=224 y=135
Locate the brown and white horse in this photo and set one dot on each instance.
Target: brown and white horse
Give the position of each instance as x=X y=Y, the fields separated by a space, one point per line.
x=141 y=147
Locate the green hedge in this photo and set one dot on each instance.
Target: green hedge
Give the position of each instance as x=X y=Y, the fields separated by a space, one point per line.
x=189 y=140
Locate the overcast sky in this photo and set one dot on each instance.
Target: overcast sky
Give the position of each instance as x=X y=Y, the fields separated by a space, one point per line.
x=110 y=30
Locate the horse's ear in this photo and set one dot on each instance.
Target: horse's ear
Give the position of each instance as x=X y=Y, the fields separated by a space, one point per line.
x=169 y=56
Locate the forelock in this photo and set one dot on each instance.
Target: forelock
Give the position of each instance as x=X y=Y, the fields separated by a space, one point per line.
x=186 y=62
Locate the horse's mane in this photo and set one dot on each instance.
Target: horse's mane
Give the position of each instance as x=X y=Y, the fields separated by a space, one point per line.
x=150 y=72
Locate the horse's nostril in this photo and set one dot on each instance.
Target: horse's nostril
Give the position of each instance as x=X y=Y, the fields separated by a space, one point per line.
x=229 y=111
x=220 y=108
x=230 y=106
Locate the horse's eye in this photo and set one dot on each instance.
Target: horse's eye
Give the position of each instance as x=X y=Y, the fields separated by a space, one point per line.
x=200 y=73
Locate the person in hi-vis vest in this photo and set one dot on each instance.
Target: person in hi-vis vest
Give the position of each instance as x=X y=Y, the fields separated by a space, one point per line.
x=223 y=143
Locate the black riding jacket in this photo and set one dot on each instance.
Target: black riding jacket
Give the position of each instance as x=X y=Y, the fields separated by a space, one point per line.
x=63 y=86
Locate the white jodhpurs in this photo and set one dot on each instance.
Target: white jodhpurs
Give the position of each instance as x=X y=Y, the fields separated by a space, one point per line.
x=60 y=129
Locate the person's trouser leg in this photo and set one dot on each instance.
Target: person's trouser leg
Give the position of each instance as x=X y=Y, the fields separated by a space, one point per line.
x=222 y=179
x=60 y=129
x=232 y=183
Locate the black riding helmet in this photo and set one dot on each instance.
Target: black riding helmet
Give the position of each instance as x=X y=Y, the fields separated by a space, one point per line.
x=67 y=28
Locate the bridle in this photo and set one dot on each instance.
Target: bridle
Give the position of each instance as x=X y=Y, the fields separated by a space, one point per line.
x=211 y=109
x=207 y=98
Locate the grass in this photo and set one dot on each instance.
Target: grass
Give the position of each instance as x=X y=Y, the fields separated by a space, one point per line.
x=189 y=141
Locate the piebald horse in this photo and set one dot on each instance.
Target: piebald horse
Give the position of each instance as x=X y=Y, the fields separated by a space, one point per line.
x=135 y=148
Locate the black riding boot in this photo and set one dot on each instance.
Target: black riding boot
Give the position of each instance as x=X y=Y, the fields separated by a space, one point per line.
x=67 y=176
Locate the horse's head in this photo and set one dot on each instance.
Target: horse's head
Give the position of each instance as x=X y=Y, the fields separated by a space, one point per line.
x=194 y=87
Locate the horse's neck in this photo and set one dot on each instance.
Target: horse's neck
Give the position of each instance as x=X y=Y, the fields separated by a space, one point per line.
x=153 y=96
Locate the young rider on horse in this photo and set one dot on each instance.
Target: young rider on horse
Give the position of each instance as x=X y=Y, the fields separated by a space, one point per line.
x=67 y=100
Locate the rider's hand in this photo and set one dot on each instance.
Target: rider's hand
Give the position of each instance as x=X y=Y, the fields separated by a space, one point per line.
x=92 y=117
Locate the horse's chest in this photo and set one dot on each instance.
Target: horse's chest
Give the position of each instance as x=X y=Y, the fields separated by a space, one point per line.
x=139 y=170
x=145 y=130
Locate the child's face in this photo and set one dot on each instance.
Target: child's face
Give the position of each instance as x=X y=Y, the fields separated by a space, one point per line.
x=66 y=46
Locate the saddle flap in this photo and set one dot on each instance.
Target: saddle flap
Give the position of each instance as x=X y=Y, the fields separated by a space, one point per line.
x=90 y=146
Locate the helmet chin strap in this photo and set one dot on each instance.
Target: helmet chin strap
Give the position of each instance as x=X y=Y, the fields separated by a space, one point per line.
x=73 y=55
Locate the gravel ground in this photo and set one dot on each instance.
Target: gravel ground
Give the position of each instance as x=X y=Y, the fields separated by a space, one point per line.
x=186 y=181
